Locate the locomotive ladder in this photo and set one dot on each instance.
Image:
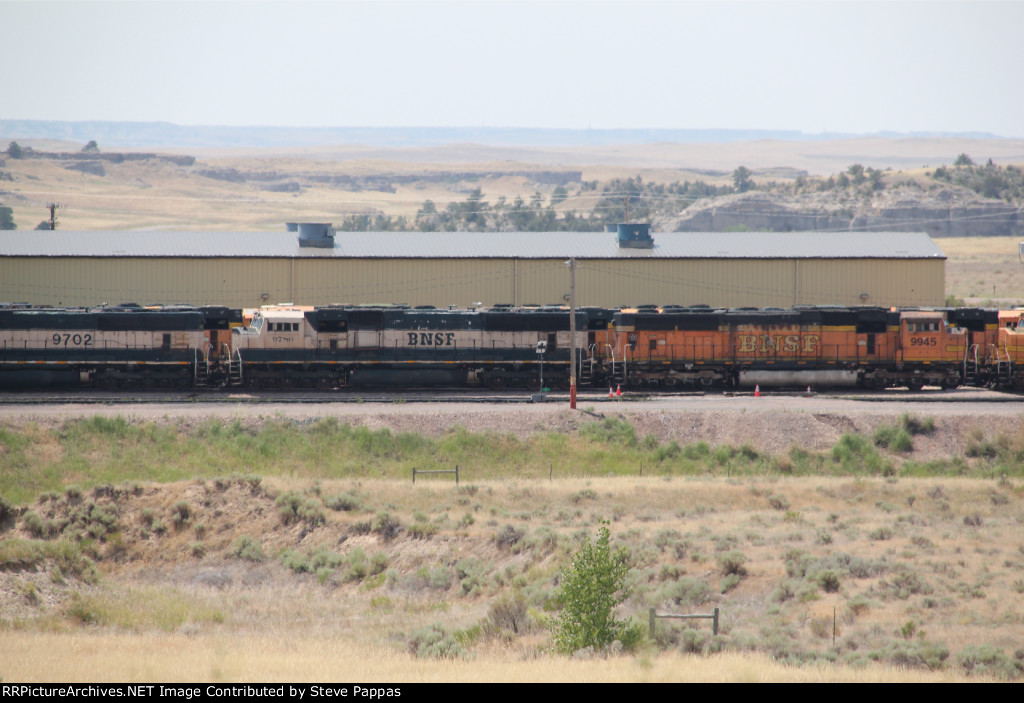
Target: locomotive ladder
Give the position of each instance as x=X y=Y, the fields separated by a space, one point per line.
x=1004 y=367
x=235 y=368
x=202 y=368
x=618 y=367
x=970 y=373
x=586 y=366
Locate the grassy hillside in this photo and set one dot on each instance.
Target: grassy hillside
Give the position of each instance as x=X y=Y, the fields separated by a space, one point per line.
x=292 y=544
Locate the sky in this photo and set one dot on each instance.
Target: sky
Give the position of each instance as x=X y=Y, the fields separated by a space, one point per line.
x=825 y=66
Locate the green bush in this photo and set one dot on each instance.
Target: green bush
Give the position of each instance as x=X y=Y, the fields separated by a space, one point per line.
x=592 y=585
x=731 y=563
x=343 y=501
x=986 y=660
x=894 y=438
x=293 y=507
x=613 y=431
x=247 y=548
x=435 y=642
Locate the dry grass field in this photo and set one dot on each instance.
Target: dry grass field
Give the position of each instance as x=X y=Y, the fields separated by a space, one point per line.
x=330 y=571
x=156 y=195
x=984 y=270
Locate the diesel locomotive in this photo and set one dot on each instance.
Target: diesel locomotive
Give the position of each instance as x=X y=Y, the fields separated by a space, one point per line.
x=396 y=346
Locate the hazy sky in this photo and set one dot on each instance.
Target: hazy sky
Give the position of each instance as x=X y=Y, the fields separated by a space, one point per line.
x=810 y=66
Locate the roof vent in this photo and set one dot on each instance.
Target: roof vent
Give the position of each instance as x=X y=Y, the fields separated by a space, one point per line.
x=635 y=236
x=316 y=234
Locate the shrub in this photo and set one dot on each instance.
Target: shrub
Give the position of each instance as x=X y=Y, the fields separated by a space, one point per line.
x=915 y=426
x=294 y=508
x=591 y=587
x=247 y=548
x=896 y=439
x=685 y=591
x=828 y=581
x=986 y=660
x=343 y=501
x=435 y=642
x=181 y=513
x=422 y=530
x=614 y=431
x=731 y=563
x=508 y=613
x=386 y=526
x=509 y=536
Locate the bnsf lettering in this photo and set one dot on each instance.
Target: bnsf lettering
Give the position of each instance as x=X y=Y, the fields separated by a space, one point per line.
x=787 y=344
x=431 y=339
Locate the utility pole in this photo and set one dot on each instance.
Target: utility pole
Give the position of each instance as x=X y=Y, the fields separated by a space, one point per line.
x=572 y=333
x=53 y=215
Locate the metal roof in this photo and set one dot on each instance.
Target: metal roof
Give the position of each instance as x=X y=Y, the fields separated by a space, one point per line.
x=471 y=245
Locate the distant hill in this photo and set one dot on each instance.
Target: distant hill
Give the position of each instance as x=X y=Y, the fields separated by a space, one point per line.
x=149 y=135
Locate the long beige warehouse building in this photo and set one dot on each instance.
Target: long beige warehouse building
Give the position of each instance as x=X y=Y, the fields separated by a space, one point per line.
x=247 y=269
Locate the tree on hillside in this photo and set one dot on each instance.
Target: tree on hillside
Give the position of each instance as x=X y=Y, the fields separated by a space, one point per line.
x=15 y=151
x=963 y=160
x=741 y=179
x=7 y=218
x=91 y=146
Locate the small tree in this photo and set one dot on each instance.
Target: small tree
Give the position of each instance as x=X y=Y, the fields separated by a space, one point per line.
x=963 y=160
x=741 y=179
x=7 y=218
x=15 y=151
x=592 y=585
x=91 y=146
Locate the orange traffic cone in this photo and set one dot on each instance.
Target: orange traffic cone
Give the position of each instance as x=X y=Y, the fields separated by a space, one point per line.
x=757 y=391
x=808 y=391
x=611 y=393
x=618 y=391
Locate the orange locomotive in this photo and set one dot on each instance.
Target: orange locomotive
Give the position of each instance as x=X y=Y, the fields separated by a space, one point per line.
x=828 y=346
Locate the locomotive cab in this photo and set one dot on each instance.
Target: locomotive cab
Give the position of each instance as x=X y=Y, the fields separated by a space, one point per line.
x=925 y=336
x=931 y=349
x=274 y=328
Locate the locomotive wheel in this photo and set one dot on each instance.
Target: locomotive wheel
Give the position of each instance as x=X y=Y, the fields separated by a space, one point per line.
x=915 y=385
x=324 y=382
x=533 y=384
x=496 y=383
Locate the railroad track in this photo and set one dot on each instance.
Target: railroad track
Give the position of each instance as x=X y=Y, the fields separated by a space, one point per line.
x=220 y=397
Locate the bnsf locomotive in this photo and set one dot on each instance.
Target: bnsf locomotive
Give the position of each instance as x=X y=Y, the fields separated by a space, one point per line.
x=288 y=346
